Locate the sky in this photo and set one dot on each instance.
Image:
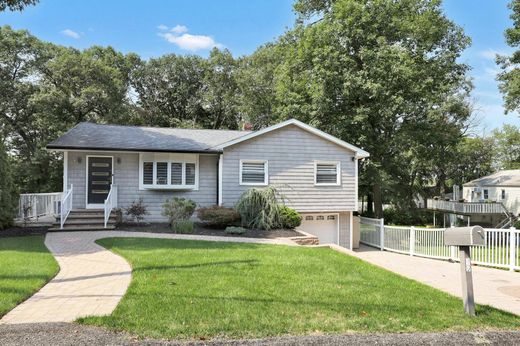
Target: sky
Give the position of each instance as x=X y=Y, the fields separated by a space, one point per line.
x=154 y=28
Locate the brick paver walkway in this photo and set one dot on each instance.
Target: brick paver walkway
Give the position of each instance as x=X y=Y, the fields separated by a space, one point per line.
x=92 y=280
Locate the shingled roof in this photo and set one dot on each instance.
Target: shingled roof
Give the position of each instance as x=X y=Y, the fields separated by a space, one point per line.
x=134 y=138
x=501 y=178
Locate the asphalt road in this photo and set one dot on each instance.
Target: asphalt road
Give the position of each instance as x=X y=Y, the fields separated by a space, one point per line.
x=57 y=334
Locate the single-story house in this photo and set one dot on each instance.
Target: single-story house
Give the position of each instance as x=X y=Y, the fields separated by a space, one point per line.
x=316 y=172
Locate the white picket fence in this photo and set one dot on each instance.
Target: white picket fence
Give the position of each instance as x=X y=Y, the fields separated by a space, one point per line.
x=502 y=247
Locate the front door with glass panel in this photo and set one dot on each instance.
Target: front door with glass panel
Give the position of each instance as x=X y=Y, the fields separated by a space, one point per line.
x=99 y=179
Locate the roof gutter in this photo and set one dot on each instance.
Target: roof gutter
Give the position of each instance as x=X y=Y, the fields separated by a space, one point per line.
x=64 y=148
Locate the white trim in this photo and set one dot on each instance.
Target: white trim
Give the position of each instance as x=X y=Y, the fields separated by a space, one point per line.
x=97 y=205
x=169 y=158
x=360 y=153
x=338 y=172
x=65 y=170
x=266 y=172
x=356 y=178
x=220 y=170
x=351 y=231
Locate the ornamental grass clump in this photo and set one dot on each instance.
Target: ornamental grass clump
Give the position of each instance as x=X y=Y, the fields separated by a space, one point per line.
x=259 y=208
x=179 y=211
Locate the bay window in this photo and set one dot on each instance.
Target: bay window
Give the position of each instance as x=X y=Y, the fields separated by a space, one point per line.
x=168 y=171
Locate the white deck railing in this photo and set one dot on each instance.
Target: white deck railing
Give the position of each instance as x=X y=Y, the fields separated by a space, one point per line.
x=466 y=207
x=110 y=203
x=36 y=205
x=66 y=205
x=502 y=247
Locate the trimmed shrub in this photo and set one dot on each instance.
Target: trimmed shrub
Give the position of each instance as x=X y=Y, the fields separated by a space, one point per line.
x=258 y=208
x=235 y=230
x=8 y=196
x=290 y=218
x=218 y=216
x=178 y=209
x=182 y=226
x=137 y=210
x=401 y=217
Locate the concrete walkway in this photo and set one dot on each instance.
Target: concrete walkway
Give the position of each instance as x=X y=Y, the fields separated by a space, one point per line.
x=495 y=287
x=92 y=280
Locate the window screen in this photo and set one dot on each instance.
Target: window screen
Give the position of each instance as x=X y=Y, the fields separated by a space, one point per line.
x=176 y=178
x=161 y=176
x=190 y=174
x=148 y=173
x=326 y=173
x=253 y=172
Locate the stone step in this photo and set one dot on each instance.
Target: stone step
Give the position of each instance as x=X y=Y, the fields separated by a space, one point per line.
x=81 y=228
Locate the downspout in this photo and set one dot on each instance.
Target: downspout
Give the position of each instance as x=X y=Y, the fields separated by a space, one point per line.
x=219 y=182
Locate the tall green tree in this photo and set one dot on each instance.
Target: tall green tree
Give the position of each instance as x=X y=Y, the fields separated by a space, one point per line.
x=506 y=142
x=381 y=74
x=16 y=5
x=169 y=90
x=509 y=78
x=7 y=188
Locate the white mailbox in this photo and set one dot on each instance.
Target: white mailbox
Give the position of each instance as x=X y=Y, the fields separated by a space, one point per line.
x=465 y=236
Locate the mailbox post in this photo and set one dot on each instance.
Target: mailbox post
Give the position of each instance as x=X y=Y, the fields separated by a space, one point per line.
x=464 y=237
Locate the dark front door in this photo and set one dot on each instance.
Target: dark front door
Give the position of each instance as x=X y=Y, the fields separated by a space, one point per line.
x=99 y=179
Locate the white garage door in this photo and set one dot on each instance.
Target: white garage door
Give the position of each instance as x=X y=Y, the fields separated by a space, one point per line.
x=324 y=226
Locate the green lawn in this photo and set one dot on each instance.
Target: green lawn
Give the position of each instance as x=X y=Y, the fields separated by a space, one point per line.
x=198 y=289
x=25 y=266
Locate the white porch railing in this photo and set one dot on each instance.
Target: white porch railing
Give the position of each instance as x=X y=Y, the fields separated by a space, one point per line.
x=466 y=207
x=110 y=203
x=66 y=205
x=36 y=205
x=502 y=247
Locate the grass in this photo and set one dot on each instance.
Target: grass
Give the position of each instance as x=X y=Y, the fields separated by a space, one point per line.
x=25 y=266
x=197 y=289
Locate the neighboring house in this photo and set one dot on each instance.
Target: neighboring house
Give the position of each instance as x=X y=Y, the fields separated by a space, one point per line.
x=316 y=172
x=493 y=200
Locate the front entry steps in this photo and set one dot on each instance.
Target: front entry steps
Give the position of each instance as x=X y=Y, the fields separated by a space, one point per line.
x=86 y=220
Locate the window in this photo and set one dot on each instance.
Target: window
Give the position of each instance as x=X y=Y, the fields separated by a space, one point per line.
x=168 y=171
x=148 y=173
x=327 y=173
x=320 y=218
x=331 y=217
x=176 y=177
x=486 y=194
x=253 y=173
x=309 y=218
x=503 y=194
x=161 y=173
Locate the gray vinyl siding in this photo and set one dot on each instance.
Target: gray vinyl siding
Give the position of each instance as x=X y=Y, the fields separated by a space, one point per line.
x=344 y=230
x=291 y=153
x=126 y=177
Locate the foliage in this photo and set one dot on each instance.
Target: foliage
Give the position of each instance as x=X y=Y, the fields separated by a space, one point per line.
x=218 y=216
x=259 y=208
x=178 y=209
x=182 y=226
x=506 y=142
x=8 y=196
x=16 y=5
x=289 y=218
x=25 y=266
x=235 y=291
x=235 y=230
x=517 y=224
x=137 y=210
x=509 y=77
x=394 y=216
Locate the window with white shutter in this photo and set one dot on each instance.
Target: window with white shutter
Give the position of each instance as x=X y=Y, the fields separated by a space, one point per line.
x=168 y=171
x=327 y=173
x=253 y=172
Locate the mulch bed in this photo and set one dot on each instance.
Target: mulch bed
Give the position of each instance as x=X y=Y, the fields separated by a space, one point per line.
x=201 y=230
x=23 y=231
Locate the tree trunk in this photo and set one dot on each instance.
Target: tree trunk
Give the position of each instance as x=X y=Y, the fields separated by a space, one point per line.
x=378 y=201
x=370 y=208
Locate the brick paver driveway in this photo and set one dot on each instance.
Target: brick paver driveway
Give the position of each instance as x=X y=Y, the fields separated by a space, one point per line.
x=92 y=280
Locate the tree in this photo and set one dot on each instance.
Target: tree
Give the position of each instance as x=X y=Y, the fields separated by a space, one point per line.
x=7 y=189
x=220 y=91
x=169 y=90
x=382 y=75
x=475 y=158
x=509 y=78
x=507 y=147
x=16 y=5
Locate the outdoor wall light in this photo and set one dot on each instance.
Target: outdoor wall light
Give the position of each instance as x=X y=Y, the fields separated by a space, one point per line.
x=79 y=159
x=118 y=160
